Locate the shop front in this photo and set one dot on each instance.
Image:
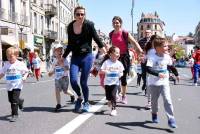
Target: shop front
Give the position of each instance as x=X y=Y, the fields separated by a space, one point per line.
x=38 y=44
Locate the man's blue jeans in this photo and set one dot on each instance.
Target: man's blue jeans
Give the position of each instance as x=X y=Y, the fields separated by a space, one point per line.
x=81 y=64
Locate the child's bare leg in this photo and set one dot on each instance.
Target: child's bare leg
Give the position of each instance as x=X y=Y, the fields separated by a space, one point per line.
x=71 y=94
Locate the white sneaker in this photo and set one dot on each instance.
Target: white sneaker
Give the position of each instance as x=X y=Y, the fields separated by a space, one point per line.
x=195 y=84
x=113 y=112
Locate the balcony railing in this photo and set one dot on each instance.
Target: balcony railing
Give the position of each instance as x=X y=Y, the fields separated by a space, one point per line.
x=51 y=34
x=50 y=10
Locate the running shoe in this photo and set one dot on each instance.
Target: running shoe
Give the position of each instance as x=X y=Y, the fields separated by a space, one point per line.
x=78 y=105
x=124 y=99
x=154 y=118
x=172 y=123
x=14 y=118
x=58 y=106
x=86 y=106
x=113 y=112
x=72 y=98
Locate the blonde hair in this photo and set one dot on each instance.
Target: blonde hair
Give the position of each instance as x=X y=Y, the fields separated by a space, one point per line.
x=159 y=42
x=12 y=50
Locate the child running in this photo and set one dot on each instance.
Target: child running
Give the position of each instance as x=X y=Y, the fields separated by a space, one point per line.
x=15 y=73
x=159 y=80
x=60 y=68
x=36 y=65
x=113 y=70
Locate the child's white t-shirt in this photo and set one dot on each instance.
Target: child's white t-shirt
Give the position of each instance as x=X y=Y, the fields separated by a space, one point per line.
x=114 y=70
x=60 y=71
x=36 y=63
x=159 y=64
x=13 y=74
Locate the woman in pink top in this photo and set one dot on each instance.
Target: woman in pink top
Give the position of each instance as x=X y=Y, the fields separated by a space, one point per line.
x=120 y=39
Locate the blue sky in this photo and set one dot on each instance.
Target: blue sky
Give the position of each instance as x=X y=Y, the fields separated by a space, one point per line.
x=180 y=16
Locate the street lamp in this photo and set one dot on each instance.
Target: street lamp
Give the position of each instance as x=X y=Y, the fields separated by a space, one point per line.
x=132 y=15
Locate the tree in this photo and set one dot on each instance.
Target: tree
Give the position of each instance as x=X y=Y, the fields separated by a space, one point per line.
x=190 y=34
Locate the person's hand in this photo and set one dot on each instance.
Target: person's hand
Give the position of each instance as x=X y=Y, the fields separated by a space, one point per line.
x=162 y=75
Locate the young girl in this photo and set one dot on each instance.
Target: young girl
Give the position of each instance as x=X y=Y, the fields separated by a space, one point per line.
x=36 y=65
x=113 y=70
x=60 y=69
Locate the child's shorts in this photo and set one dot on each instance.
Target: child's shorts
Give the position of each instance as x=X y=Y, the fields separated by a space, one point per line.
x=62 y=83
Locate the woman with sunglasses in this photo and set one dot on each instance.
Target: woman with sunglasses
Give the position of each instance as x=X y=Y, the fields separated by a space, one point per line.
x=120 y=38
x=80 y=34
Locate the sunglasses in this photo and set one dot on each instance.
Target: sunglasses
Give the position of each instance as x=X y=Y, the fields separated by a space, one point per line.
x=80 y=14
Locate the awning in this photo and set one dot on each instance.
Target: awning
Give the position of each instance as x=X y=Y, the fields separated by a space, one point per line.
x=9 y=40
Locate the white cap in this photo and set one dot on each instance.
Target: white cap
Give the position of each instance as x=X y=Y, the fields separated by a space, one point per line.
x=58 y=46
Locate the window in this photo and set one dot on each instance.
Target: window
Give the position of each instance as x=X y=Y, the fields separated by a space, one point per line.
x=141 y=28
x=156 y=27
x=42 y=24
x=35 y=23
x=148 y=26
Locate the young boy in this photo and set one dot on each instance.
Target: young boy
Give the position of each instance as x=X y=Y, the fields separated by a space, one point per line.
x=113 y=70
x=159 y=80
x=60 y=69
x=15 y=73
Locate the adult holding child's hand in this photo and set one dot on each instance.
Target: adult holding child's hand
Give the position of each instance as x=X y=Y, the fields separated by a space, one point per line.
x=80 y=35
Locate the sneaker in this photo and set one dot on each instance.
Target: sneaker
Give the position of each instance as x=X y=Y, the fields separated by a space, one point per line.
x=113 y=112
x=14 y=118
x=78 y=105
x=148 y=106
x=21 y=102
x=58 y=106
x=86 y=106
x=72 y=98
x=154 y=118
x=172 y=123
x=124 y=99
x=118 y=98
x=195 y=84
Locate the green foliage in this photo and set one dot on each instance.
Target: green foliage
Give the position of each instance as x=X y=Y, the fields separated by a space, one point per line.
x=180 y=52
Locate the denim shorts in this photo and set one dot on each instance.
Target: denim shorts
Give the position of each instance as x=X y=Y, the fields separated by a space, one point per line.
x=62 y=83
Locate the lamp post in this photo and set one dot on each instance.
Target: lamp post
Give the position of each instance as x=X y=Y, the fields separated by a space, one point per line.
x=132 y=15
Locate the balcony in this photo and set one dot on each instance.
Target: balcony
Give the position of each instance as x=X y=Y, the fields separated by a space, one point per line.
x=50 y=10
x=51 y=34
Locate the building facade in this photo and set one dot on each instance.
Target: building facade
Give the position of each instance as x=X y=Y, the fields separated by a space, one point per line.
x=151 y=22
x=197 y=35
x=34 y=24
x=14 y=24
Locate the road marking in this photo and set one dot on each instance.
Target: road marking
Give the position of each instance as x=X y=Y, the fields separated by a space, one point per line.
x=76 y=122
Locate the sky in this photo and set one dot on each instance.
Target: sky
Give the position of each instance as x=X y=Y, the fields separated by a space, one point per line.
x=180 y=16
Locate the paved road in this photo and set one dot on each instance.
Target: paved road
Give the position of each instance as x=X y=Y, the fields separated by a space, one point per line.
x=38 y=116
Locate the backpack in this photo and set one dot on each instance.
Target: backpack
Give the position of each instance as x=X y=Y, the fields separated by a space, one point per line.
x=124 y=36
